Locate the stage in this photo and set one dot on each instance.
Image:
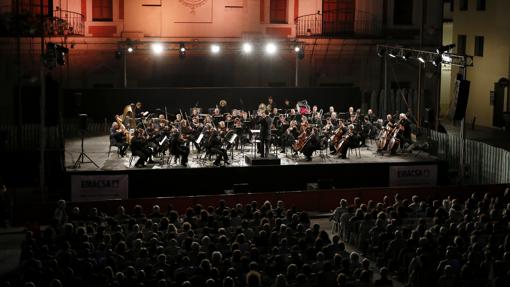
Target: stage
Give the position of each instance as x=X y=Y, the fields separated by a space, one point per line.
x=167 y=178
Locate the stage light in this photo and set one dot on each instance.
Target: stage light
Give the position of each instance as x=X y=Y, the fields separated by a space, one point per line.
x=157 y=48
x=444 y=49
x=271 y=48
x=130 y=49
x=215 y=48
x=182 y=51
x=406 y=55
x=446 y=58
x=300 y=52
x=436 y=61
x=297 y=49
x=420 y=58
x=392 y=54
x=247 y=48
x=381 y=52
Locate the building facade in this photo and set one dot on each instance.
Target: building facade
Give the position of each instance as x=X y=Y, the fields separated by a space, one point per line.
x=339 y=39
x=480 y=29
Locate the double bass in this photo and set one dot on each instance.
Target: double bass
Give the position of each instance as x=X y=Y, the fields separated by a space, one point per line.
x=394 y=141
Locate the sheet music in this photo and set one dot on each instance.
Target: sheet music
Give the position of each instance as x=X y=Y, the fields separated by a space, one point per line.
x=199 y=138
x=255 y=131
x=233 y=138
x=164 y=139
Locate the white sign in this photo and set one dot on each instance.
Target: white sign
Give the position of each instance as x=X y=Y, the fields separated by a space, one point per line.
x=413 y=175
x=99 y=187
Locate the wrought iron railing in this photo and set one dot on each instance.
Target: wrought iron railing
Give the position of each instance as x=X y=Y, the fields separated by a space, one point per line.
x=65 y=23
x=335 y=23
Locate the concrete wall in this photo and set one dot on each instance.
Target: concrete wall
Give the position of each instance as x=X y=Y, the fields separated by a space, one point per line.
x=493 y=24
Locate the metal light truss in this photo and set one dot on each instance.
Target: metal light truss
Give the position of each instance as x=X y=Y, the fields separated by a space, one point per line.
x=431 y=56
x=205 y=46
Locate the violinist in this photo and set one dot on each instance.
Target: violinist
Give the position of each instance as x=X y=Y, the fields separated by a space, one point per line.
x=179 y=147
x=214 y=145
x=118 y=138
x=217 y=116
x=317 y=120
x=178 y=119
x=334 y=119
x=371 y=116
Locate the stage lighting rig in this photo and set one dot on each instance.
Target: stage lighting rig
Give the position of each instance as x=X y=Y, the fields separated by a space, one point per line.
x=300 y=52
x=215 y=48
x=392 y=54
x=381 y=52
x=421 y=59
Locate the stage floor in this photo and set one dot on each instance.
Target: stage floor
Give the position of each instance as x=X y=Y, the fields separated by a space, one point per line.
x=96 y=147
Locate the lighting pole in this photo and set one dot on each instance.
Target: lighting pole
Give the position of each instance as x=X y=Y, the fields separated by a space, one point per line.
x=124 y=55
x=296 y=82
x=42 y=103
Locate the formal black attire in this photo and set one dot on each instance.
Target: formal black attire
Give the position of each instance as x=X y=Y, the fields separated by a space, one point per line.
x=179 y=148
x=117 y=139
x=265 y=135
x=139 y=148
x=214 y=146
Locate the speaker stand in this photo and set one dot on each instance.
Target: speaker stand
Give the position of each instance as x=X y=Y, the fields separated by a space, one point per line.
x=83 y=155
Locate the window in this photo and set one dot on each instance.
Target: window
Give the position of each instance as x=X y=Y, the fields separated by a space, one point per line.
x=480 y=5
x=102 y=10
x=461 y=44
x=479 y=46
x=403 y=12
x=463 y=5
x=278 y=12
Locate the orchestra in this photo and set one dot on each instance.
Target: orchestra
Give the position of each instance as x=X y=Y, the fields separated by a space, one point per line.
x=300 y=129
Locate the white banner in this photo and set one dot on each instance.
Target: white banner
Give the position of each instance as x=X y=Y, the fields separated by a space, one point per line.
x=413 y=175
x=99 y=187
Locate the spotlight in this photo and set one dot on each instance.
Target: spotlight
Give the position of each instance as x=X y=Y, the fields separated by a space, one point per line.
x=444 y=49
x=300 y=52
x=182 y=51
x=392 y=54
x=215 y=49
x=437 y=61
x=381 y=52
x=247 y=48
x=157 y=48
x=406 y=55
x=420 y=58
x=446 y=58
x=270 y=48
x=130 y=49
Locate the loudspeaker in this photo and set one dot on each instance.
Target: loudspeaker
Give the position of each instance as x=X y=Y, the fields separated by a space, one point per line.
x=460 y=100
x=82 y=123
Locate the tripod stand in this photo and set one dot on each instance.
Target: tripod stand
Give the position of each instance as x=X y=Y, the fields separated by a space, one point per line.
x=83 y=155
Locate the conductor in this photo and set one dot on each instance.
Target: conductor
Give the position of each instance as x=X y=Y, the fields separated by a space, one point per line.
x=265 y=122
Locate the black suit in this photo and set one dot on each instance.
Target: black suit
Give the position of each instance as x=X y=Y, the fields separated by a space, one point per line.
x=265 y=135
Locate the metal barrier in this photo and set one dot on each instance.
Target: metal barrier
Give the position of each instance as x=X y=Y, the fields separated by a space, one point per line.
x=484 y=164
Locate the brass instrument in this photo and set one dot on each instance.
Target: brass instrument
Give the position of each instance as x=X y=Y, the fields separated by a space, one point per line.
x=129 y=117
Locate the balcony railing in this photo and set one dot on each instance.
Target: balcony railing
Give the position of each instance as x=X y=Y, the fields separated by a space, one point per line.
x=65 y=23
x=338 y=23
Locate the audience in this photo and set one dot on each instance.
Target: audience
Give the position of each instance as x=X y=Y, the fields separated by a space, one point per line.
x=438 y=243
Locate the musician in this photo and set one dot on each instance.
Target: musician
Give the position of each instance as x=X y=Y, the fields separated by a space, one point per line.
x=138 y=112
x=222 y=108
x=346 y=142
x=139 y=148
x=389 y=120
x=118 y=138
x=214 y=145
x=317 y=119
x=179 y=147
x=286 y=106
x=217 y=116
x=371 y=116
x=351 y=111
x=330 y=112
x=312 y=145
x=270 y=104
x=265 y=122
x=405 y=127
x=334 y=119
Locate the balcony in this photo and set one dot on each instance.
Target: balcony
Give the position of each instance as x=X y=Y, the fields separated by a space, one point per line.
x=61 y=23
x=65 y=23
x=338 y=23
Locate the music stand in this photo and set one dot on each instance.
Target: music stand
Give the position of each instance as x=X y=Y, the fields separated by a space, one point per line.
x=83 y=155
